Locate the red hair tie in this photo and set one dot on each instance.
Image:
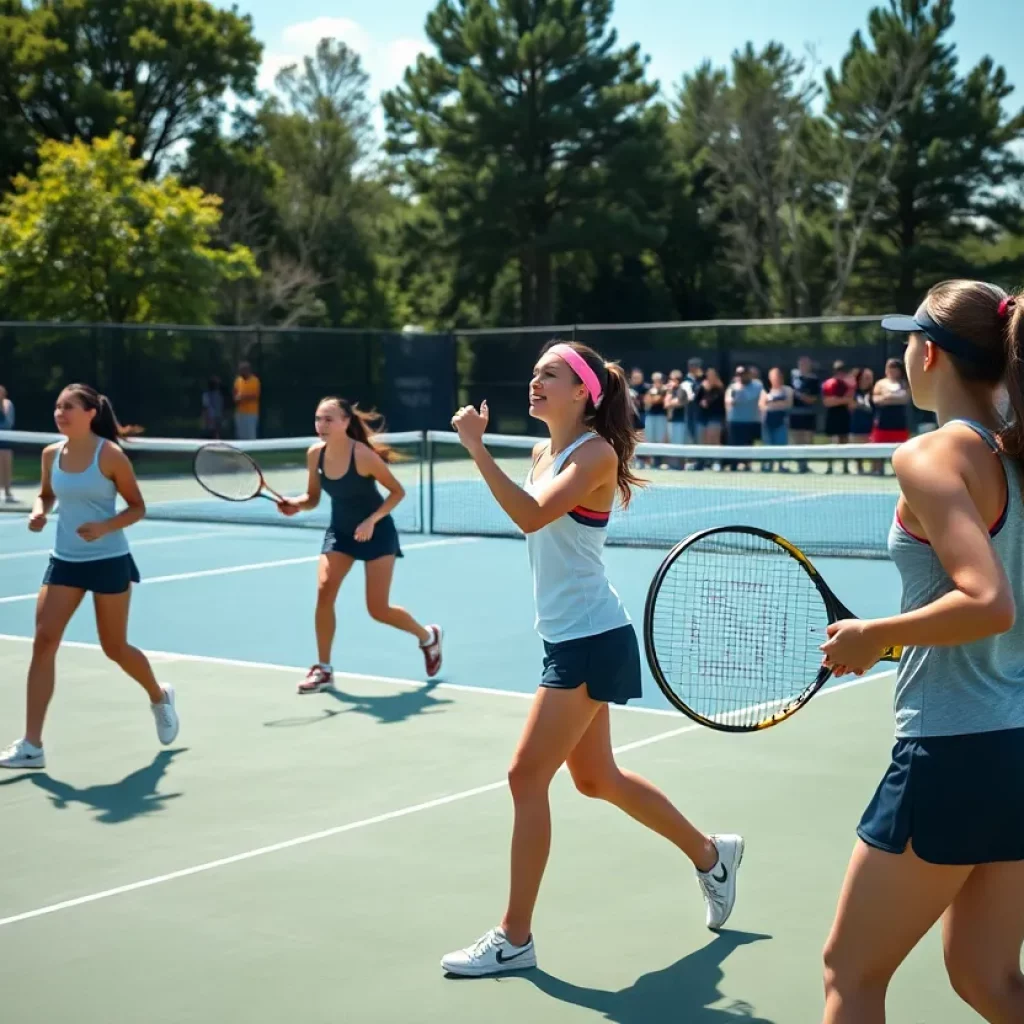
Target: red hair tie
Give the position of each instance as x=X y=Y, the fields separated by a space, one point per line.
x=1006 y=305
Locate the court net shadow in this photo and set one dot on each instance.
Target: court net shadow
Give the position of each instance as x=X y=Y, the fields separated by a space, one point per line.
x=134 y=796
x=386 y=708
x=685 y=991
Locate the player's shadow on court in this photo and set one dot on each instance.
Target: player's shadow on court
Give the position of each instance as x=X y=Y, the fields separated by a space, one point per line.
x=115 y=802
x=387 y=708
x=683 y=992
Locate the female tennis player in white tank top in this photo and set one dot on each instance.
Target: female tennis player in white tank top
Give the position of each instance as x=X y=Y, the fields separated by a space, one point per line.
x=591 y=653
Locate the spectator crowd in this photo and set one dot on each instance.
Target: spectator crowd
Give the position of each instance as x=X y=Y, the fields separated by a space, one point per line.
x=698 y=408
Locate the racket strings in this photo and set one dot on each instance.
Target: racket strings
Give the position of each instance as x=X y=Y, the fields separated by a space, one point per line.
x=737 y=630
x=227 y=472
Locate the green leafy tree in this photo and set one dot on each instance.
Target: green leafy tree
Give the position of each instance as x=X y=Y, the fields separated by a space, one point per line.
x=530 y=134
x=85 y=68
x=88 y=239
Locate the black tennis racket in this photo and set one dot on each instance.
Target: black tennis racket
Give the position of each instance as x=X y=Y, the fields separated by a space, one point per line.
x=229 y=473
x=734 y=620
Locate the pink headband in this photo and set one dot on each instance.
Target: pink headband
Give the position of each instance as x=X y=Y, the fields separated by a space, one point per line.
x=582 y=370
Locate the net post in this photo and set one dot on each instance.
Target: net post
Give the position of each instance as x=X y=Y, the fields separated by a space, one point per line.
x=429 y=442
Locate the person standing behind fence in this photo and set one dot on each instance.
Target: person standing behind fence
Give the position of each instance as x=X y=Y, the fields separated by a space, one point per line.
x=743 y=413
x=6 y=453
x=891 y=398
x=775 y=404
x=212 y=417
x=247 y=403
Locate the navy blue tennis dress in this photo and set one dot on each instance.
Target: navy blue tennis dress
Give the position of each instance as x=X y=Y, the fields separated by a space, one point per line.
x=355 y=498
x=587 y=632
x=102 y=566
x=955 y=786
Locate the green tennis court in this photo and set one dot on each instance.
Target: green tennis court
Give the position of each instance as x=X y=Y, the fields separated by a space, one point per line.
x=313 y=857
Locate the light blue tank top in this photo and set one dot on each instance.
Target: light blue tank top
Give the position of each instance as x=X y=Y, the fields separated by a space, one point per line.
x=572 y=594
x=83 y=498
x=976 y=687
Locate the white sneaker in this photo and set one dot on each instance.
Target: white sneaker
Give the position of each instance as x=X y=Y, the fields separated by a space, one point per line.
x=22 y=755
x=719 y=884
x=492 y=954
x=166 y=717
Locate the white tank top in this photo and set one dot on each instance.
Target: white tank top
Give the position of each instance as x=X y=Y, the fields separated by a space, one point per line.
x=572 y=594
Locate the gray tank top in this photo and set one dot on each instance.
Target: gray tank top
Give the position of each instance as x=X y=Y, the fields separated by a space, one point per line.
x=976 y=687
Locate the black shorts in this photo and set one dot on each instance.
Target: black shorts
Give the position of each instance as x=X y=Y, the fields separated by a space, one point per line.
x=742 y=435
x=955 y=799
x=609 y=664
x=803 y=421
x=101 y=576
x=384 y=542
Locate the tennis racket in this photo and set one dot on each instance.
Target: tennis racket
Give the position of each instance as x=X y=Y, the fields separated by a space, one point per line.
x=733 y=623
x=229 y=473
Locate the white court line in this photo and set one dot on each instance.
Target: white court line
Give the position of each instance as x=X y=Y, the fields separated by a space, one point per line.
x=252 y=567
x=353 y=826
x=417 y=684
x=134 y=544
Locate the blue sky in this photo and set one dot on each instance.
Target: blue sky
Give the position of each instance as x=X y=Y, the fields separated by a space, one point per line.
x=675 y=34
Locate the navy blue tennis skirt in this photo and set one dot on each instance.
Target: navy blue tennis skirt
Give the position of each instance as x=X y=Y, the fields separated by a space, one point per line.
x=608 y=663
x=101 y=576
x=955 y=799
x=384 y=542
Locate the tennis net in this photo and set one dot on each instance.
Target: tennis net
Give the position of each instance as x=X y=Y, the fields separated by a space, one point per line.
x=163 y=467
x=827 y=499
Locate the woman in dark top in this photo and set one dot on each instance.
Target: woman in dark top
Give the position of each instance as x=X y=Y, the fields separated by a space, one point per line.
x=863 y=414
x=348 y=466
x=710 y=399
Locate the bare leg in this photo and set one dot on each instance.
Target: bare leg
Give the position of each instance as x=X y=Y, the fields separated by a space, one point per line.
x=557 y=721
x=983 y=932
x=888 y=902
x=54 y=608
x=6 y=471
x=112 y=626
x=378 y=599
x=593 y=768
x=334 y=568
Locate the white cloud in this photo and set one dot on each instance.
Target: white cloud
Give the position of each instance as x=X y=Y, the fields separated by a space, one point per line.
x=384 y=61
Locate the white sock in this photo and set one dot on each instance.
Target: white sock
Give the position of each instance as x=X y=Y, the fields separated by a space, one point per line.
x=326 y=668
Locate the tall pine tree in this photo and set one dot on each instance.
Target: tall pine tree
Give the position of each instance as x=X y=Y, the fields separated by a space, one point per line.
x=943 y=172
x=531 y=134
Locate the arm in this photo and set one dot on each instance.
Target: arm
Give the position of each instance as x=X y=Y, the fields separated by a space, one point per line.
x=369 y=460
x=589 y=467
x=43 y=505
x=309 y=500
x=116 y=466
x=933 y=480
x=934 y=486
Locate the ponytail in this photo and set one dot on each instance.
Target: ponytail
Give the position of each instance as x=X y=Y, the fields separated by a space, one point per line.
x=104 y=423
x=363 y=427
x=1011 y=437
x=613 y=419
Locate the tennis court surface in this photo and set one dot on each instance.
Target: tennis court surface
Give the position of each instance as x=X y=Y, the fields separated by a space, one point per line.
x=311 y=858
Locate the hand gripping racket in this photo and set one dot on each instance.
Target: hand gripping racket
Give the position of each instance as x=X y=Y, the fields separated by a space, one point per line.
x=229 y=473
x=734 y=619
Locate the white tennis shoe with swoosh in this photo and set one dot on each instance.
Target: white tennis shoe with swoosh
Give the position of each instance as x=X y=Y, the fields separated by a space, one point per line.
x=719 y=884
x=491 y=954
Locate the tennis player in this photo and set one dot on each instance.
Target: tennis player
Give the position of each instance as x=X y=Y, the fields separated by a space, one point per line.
x=943 y=835
x=592 y=658
x=348 y=465
x=84 y=474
